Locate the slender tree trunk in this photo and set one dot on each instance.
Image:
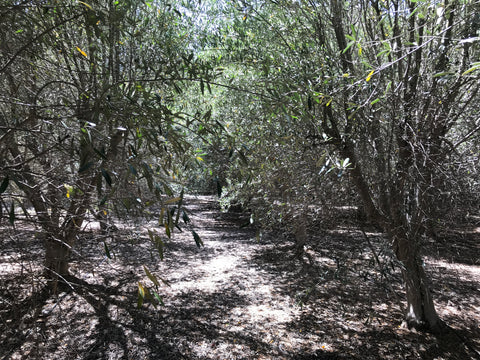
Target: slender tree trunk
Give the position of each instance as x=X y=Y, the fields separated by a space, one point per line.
x=57 y=254
x=59 y=244
x=420 y=312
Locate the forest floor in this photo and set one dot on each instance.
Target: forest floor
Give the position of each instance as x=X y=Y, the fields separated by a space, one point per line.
x=239 y=296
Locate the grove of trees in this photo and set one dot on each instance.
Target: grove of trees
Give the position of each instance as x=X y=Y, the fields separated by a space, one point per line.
x=384 y=91
x=111 y=107
x=87 y=121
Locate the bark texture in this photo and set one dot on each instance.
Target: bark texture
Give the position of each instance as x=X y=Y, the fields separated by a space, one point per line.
x=420 y=311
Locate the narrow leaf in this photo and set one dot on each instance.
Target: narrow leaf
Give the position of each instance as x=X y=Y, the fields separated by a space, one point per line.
x=107 y=250
x=152 y=277
x=349 y=45
x=85 y=166
x=159 y=245
x=100 y=153
x=243 y=157
x=4 y=184
x=151 y=235
x=11 y=217
x=86 y=5
x=369 y=76
x=82 y=52
x=141 y=295
x=179 y=206
x=174 y=200
x=476 y=66
x=160 y=218
x=219 y=188
x=167 y=231
x=197 y=239
x=159 y=299
x=107 y=177
x=185 y=217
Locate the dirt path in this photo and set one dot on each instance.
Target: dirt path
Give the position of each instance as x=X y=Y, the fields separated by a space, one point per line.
x=234 y=298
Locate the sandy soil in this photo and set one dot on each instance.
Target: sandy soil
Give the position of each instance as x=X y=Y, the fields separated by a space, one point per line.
x=239 y=297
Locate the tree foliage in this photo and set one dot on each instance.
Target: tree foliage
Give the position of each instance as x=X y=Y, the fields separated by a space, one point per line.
x=89 y=122
x=109 y=105
x=383 y=92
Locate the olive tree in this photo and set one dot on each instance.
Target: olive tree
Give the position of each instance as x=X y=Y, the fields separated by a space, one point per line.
x=88 y=113
x=390 y=87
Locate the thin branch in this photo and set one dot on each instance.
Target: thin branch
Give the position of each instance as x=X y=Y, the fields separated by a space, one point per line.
x=43 y=33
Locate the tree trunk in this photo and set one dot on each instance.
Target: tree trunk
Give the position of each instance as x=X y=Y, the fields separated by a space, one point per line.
x=57 y=257
x=420 y=312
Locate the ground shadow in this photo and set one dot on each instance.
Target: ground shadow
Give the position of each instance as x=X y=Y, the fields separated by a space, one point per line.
x=238 y=297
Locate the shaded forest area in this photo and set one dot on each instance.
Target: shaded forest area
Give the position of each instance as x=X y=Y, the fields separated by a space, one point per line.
x=235 y=298
x=239 y=179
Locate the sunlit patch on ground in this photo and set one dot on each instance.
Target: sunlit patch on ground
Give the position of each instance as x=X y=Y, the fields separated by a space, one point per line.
x=234 y=298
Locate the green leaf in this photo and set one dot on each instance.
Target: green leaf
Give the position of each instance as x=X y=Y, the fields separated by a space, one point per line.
x=107 y=177
x=85 y=167
x=349 y=45
x=167 y=231
x=475 y=66
x=179 y=206
x=321 y=161
x=202 y=87
x=354 y=33
x=208 y=115
x=152 y=277
x=245 y=224
x=375 y=101
x=389 y=85
x=444 y=73
x=107 y=250
x=159 y=245
x=100 y=153
x=219 y=188
x=4 y=184
x=417 y=9
x=173 y=200
x=141 y=295
x=185 y=217
x=383 y=52
x=159 y=299
x=151 y=235
x=11 y=217
x=197 y=239
x=167 y=190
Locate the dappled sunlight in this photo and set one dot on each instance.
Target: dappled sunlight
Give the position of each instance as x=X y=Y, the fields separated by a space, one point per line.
x=234 y=297
x=261 y=313
x=463 y=271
